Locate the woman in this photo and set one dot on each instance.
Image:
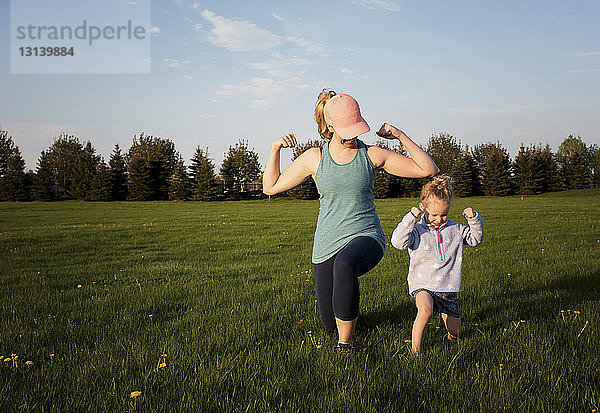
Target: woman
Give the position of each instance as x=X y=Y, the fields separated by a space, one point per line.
x=348 y=240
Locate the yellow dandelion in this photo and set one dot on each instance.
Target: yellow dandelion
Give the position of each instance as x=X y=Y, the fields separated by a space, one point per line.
x=576 y=312
x=309 y=332
x=135 y=395
x=6 y=360
x=476 y=325
x=522 y=321
x=78 y=285
x=319 y=346
x=150 y=315
x=29 y=362
x=407 y=341
x=163 y=355
x=162 y=365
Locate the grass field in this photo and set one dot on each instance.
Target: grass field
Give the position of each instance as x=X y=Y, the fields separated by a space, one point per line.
x=211 y=307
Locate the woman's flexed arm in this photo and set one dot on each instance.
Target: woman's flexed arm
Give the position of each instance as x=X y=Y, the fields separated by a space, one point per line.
x=274 y=181
x=419 y=165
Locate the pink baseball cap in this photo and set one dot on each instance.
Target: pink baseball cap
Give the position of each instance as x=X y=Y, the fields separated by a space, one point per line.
x=343 y=113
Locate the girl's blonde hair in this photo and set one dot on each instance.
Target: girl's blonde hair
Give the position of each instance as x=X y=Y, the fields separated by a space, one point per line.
x=440 y=187
x=324 y=96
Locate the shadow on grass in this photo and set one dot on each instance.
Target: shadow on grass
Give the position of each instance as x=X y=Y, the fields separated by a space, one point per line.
x=541 y=302
x=384 y=318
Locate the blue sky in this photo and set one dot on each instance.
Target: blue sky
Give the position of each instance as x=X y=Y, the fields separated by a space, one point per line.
x=512 y=71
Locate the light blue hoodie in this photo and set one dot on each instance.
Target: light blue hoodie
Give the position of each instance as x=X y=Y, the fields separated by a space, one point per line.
x=436 y=253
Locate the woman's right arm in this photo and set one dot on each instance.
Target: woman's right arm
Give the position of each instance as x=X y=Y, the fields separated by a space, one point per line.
x=274 y=181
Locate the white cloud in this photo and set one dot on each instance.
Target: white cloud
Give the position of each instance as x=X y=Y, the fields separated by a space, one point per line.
x=242 y=36
x=279 y=66
x=176 y=63
x=239 y=35
x=279 y=18
x=378 y=4
x=264 y=92
x=188 y=77
x=197 y=27
x=309 y=47
x=131 y=3
x=196 y=5
x=154 y=30
x=347 y=71
x=587 y=54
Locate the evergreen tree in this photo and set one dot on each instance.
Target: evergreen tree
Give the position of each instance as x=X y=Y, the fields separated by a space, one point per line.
x=100 y=187
x=386 y=184
x=154 y=160
x=14 y=177
x=62 y=156
x=139 y=177
x=578 y=175
x=44 y=184
x=575 y=163
x=465 y=175
x=203 y=180
x=239 y=167
x=84 y=170
x=551 y=178
x=596 y=167
x=528 y=175
x=444 y=150
x=308 y=188
x=179 y=183
x=118 y=175
x=494 y=164
x=7 y=147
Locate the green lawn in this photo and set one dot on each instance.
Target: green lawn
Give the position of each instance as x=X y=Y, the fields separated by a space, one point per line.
x=99 y=295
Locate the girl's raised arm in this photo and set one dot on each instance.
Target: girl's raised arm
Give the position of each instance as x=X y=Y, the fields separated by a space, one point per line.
x=274 y=181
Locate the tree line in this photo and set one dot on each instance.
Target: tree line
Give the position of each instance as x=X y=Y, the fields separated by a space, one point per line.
x=152 y=169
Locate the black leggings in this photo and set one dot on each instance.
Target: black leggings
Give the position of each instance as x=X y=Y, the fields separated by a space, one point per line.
x=336 y=280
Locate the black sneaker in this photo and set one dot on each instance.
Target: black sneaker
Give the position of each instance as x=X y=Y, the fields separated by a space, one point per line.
x=348 y=349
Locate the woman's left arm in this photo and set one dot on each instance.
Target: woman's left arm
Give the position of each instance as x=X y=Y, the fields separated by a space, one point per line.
x=419 y=165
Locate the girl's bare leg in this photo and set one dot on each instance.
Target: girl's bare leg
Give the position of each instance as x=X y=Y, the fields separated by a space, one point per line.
x=424 y=304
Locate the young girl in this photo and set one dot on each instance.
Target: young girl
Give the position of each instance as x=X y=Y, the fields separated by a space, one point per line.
x=435 y=246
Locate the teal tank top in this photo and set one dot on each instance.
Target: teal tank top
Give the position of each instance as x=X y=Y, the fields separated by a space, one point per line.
x=347 y=203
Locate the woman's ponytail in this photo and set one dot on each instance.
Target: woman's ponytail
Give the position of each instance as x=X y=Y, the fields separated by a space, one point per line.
x=324 y=96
